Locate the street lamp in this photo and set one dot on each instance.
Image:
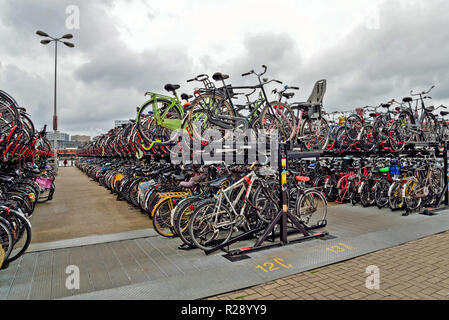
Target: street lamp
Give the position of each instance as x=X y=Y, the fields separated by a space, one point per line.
x=55 y=117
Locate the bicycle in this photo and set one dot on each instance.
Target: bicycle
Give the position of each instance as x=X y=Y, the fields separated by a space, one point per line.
x=215 y=219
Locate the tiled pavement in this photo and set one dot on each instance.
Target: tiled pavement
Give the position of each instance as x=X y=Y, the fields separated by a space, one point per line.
x=418 y=270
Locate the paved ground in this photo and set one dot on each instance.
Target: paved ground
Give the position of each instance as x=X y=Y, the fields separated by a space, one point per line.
x=418 y=270
x=147 y=266
x=80 y=207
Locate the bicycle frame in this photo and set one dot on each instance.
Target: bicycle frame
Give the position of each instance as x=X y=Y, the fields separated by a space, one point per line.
x=172 y=124
x=161 y=119
x=248 y=179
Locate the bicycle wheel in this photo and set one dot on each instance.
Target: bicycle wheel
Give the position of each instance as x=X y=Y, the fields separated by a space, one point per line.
x=266 y=201
x=395 y=136
x=367 y=193
x=311 y=208
x=6 y=241
x=353 y=126
x=22 y=238
x=314 y=134
x=330 y=190
x=381 y=192
x=182 y=219
x=200 y=116
x=210 y=227
x=403 y=127
x=367 y=142
x=151 y=128
x=2 y=255
x=437 y=180
x=430 y=128
x=341 y=141
x=395 y=198
x=412 y=199
x=161 y=218
x=133 y=192
x=278 y=117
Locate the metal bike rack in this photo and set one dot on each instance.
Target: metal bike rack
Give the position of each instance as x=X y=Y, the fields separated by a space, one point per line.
x=282 y=217
x=285 y=153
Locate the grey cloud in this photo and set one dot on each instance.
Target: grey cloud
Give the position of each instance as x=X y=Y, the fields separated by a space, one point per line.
x=409 y=51
x=109 y=86
x=121 y=68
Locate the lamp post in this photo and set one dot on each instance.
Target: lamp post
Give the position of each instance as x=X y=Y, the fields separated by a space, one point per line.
x=55 y=117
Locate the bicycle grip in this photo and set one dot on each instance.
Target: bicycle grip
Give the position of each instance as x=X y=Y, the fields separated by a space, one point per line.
x=246 y=74
x=191 y=80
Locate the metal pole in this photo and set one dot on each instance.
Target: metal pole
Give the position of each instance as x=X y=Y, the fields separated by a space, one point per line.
x=55 y=119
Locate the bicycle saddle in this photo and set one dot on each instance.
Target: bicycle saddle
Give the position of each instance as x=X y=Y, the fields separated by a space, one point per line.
x=288 y=95
x=179 y=177
x=220 y=76
x=186 y=96
x=444 y=113
x=172 y=87
x=302 y=179
x=188 y=184
x=301 y=105
x=386 y=105
x=407 y=99
x=430 y=109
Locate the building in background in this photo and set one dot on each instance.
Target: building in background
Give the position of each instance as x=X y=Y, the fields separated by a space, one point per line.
x=60 y=136
x=118 y=123
x=82 y=139
x=68 y=144
x=64 y=141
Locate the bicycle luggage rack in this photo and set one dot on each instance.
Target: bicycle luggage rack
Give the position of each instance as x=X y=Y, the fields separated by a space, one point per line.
x=281 y=218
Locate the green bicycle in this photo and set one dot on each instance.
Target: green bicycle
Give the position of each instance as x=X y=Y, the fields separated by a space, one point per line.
x=159 y=116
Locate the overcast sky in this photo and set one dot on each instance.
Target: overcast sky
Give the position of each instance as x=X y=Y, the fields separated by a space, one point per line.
x=370 y=51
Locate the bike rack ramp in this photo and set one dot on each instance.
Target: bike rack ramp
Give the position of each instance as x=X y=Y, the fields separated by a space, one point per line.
x=154 y=268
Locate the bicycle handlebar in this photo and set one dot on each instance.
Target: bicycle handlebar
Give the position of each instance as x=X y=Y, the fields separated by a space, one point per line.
x=253 y=72
x=200 y=78
x=249 y=94
x=422 y=93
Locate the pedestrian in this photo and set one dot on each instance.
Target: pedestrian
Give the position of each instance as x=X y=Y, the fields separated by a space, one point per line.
x=65 y=163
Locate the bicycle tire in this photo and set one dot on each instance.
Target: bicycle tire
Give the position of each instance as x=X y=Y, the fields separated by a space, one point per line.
x=286 y=127
x=198 y=229
x=311 y=203
x=317 y=143
x=20 y=246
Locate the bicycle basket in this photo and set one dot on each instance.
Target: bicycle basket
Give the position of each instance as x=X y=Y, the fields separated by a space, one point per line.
x=230 y=90
x=395 y=169
x=144 y=186
x=44 y=183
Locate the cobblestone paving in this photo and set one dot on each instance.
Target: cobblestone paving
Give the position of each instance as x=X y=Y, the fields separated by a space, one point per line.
x=418 y=270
